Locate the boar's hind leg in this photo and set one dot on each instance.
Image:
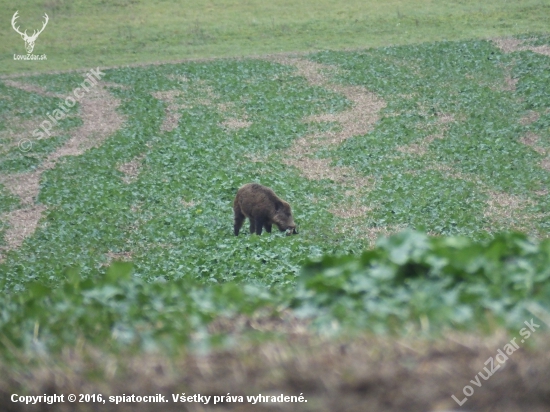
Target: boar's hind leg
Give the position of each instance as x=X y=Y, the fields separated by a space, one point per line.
x=268 y=227
x=239 y=220
x=259 y=223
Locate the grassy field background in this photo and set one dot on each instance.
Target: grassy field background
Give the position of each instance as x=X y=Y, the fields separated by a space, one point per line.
x=84 y=34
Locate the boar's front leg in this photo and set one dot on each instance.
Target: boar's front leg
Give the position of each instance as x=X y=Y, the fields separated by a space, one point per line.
x=268 y=227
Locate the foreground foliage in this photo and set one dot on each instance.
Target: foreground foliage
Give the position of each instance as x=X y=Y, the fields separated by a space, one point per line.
x=408 y=282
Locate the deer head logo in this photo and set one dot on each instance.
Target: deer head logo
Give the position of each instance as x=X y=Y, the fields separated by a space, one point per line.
x=29 y=40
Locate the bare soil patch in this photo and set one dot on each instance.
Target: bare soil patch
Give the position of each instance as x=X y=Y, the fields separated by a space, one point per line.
x=171 y=112
x=509 y=45
x=131 y=169
x=176 y=101
x=356 y=225
x=531 y=140
x=351 y=211
x=31 y=88
x=530 y=117
x=21 y=223
x=235 y=124
x=187 y=203
x=505 y=207
x=17 y=132
x=418 y=149
x=510 y=84
x=545 y=49
x=118 y=256
x=319 y=169
x=502 y=208
x=98 y=111
x=23 y=185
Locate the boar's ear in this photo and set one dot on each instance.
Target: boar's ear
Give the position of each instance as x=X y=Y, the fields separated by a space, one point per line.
x=278 y=205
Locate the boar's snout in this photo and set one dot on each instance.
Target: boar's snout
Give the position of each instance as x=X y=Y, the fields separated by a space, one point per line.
x=291 y=228
x=291 y=231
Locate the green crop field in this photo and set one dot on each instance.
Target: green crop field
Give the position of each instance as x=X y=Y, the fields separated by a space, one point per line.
x=119 y=269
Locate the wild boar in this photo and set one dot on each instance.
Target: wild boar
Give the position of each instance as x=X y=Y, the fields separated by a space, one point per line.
x=263 y=208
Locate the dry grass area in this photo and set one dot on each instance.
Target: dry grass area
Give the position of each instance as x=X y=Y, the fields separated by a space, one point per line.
x=364 y=373
x=18 y=132
x=501 y=207
x=351 y=211
x=508 y=208
x=131 y=169
x=20 y=224
x=171 y=112
x=117 y=256
x=31 y=88
x=176 y=101
x=235 y=124
x=354 y=225
x=100 y=120
x=509 y=45
x=421 y=148
x=529 y=118
x=531 y=140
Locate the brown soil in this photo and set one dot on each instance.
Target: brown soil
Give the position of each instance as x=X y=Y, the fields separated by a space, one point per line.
x=31 y=88
x=235 y=124
x=361 y=374
x=19 y=132
x=510 y=84
x=174 y=104
x=23 y=185
x=531 y=140
x=21 y=223
x=131 y=169
x=504 y=207
x=118 y=256
x=171 y=113
x=530 y=117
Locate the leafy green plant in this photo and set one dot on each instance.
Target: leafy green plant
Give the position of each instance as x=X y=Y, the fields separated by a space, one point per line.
x=413 y=280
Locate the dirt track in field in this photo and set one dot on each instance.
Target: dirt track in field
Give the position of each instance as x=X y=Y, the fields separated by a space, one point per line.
x=100 y=120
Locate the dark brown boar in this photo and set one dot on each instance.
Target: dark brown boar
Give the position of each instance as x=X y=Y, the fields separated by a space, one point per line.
x=263 y=208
